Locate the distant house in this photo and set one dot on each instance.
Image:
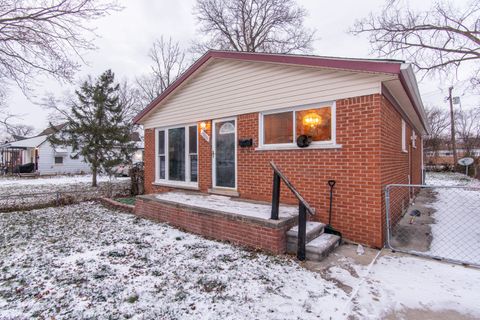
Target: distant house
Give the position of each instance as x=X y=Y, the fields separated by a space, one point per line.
x=46 y=158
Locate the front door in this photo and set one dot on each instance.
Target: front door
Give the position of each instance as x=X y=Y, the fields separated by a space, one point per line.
x=224 y=153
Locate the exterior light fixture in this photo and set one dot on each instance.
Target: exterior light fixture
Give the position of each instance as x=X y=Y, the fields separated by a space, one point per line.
x=311 y=120
x=203 y=133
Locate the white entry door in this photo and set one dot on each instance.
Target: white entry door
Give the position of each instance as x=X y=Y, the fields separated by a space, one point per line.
x=224 y=153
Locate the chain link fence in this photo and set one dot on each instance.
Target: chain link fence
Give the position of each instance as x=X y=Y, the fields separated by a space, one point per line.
x=441 y=222
x=29 y=201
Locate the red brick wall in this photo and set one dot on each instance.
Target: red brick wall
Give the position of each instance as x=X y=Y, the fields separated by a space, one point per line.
x=396 y=164
x=370 y=156
x=220 y=227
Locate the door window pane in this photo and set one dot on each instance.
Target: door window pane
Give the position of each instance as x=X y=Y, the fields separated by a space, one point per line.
x=225 y=154
x=278 y=128
x=316 y=123
x=176 y=154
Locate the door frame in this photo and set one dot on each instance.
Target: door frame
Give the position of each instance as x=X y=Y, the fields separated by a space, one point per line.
x=214 y=153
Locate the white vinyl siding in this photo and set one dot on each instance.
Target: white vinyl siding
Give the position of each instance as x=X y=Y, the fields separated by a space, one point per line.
x=47 y=165
x=226 y=88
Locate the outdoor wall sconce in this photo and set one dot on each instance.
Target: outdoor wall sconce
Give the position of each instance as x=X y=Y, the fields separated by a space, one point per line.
x=203 y=133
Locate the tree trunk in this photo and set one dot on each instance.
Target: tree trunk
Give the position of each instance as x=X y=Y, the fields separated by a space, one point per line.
x=94 y=176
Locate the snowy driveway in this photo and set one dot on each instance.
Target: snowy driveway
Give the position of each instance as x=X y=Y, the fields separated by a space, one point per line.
x=87 y=262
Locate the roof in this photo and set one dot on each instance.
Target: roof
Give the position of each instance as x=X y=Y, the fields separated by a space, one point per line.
x=387 y=66
x=27 y=143
x=51 y=130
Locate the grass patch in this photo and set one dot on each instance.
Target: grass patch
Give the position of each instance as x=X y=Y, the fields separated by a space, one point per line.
x=129 y=200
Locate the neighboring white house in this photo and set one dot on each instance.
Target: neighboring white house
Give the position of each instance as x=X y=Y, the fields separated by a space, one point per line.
x=48 y=159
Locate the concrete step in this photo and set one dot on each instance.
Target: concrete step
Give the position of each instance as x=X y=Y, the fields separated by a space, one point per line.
x=320 y=247
x=314 y=229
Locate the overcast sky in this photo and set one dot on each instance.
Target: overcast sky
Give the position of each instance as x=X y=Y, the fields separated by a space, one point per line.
x=126 y=36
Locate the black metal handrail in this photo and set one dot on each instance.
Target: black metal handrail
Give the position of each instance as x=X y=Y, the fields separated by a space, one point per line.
x=303 y=208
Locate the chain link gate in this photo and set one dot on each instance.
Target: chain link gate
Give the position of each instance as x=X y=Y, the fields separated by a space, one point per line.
x=441 y=222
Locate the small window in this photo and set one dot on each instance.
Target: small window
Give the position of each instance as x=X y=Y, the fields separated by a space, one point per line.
x=404 y=136
x=58 y=160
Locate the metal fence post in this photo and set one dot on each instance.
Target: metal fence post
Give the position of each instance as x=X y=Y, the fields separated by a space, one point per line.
x=302 y=231
x=387 y=215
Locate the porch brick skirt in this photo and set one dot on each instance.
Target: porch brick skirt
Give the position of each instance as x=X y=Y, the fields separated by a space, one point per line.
x=255 y=233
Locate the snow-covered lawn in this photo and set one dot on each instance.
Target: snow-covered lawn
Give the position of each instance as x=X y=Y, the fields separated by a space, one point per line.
x=23 y=192
x=86 y=261
x=456 y=230
x=16 y=185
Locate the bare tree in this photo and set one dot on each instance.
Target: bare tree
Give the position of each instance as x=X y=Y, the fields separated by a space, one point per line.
x=468 y=129
x=253 y=25
x=439 y=122
x=46 y=37
x=440 y=39
x=168 y=63
x=10 y=127
x=131 y=100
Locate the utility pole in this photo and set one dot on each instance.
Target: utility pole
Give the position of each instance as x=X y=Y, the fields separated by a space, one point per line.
x=452 y=120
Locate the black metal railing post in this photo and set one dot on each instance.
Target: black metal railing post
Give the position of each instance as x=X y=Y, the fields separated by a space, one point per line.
x=302 y=230
x=275 y=196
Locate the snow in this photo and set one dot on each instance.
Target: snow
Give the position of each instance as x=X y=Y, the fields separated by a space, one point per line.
x=52 y=181
x=87 y=261
x=227 y=204
x=22 y=192
x=396 y=283
x=456 y=230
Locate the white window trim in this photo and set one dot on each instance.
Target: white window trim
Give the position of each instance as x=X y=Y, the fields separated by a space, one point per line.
x=331 y=144
x=173 y=183
x=404 y=136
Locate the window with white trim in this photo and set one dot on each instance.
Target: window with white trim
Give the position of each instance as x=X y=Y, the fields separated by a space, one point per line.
x=177 y=152
x=282 y=128
x=404 y=136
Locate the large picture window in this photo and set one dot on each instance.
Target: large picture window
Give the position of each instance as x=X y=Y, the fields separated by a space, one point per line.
x=177 y=155
x=282 y=128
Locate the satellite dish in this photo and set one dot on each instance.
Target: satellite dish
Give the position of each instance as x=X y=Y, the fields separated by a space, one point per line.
x=465 y=161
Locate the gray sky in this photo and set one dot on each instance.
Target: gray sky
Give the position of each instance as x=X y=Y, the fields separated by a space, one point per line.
x=125 y=38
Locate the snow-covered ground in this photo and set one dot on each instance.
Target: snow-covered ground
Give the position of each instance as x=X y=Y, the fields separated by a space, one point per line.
x=456 y=229
x=86 y=261
x=22 y=192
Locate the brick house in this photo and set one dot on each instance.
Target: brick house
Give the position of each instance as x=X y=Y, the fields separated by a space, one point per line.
x=216 y=129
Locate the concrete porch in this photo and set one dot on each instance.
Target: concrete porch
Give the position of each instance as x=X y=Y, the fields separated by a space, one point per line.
x=238 y=221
